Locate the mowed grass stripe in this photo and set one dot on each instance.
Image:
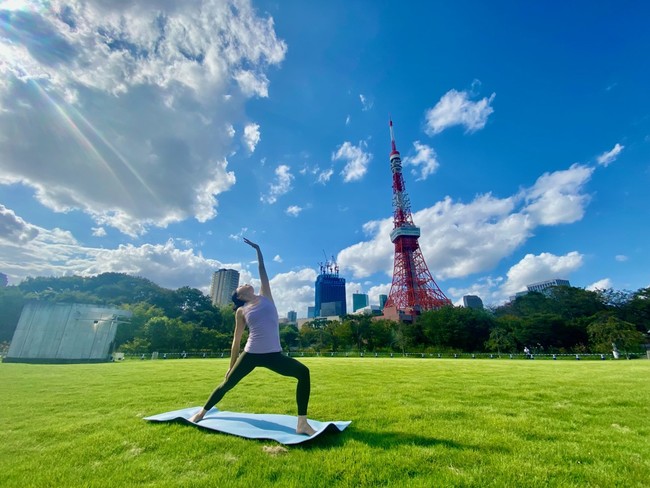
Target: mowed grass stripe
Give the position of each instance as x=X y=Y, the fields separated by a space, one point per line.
x=416 y=422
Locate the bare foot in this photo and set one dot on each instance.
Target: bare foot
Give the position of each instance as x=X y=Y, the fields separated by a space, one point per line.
x=198 y=416
x=304 y=427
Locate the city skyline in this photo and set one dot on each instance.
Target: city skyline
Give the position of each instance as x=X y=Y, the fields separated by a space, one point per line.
x=150 y=137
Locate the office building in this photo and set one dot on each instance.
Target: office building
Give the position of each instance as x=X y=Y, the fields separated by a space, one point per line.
x=4 y=280
x=359 y=300
x=292 y=316
x=382 y=301
x=224 y=283
x=472 y=301
x=540 y=286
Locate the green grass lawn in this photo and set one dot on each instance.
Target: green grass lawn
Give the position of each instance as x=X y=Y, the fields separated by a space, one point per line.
x=416 y=422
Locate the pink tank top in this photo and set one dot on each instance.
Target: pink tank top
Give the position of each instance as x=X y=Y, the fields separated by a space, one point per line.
x=263 y=329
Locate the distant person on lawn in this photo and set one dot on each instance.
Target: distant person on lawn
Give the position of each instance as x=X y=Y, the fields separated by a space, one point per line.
x=262 y=348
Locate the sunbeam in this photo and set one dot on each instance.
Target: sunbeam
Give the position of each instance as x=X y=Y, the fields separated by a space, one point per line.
x=69 y=114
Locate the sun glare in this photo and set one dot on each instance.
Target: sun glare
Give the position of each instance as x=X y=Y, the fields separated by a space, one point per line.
x=15 y=5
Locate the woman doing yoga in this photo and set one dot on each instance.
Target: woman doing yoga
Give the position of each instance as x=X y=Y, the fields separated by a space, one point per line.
x=262 y=348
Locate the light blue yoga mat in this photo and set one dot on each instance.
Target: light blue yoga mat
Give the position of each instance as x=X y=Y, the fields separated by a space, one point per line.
x=280 y=428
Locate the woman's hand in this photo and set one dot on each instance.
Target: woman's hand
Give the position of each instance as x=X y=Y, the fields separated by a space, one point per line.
x=252 y=244
x=265 y=288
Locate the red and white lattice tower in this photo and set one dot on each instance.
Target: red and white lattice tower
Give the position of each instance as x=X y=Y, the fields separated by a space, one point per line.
x=414 y=289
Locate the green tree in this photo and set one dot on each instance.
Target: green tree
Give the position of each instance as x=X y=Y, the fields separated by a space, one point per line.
x=542 y=332
x=381 y=334
x=637 y=310
x=525 y=305
x=505 y=338
x=308 y=336
x=356 y=331
x=227 y=313
x=572 y=303
x=342 y=334
x=138 y=345
x=458 y=328
x=607 y=332
x=134 y=328
x=12 y=301
x=406 y=336
x=169 y=335
x=501 y=340
x=289 y=336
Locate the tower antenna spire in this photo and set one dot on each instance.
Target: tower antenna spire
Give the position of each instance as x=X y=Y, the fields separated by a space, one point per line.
x=392 y=136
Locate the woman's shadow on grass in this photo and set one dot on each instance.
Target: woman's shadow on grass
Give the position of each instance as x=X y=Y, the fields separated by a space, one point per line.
x=382 y=439
x=379 y=439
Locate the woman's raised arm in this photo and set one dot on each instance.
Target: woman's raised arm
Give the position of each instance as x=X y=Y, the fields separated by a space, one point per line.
x=265 y=288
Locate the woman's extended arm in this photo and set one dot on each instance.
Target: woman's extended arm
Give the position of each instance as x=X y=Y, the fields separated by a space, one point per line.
x=265 y=288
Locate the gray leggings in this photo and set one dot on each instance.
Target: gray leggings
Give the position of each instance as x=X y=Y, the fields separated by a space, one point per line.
x=276 y=362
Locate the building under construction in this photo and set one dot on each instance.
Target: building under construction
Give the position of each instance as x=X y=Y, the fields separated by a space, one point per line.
x=330 y=291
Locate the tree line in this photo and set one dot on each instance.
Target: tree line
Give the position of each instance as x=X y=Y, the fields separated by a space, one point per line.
x=561 y=320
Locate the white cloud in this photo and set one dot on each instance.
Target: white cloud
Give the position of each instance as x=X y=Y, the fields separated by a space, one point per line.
x=99 y=231
x=325 y=175
x=252 y=83
x=545 y=266
x=280 y=186
x=124 y=93
x=425 y=160
x=277 y=258
x=294 y=210
x=356 y=160
x=240 y=235
x=621 y=258
x=455 y=108
x=347 y=120
x=374 y=292
x=13 y=229
x=487 y=288
x=604 y=284
x=366 y=104
x=556 y=198
x=610 y=156
x=54 y=252
x=251 y=136
x=294 y=291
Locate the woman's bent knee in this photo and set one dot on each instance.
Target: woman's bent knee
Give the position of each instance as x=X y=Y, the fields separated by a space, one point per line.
x=303 y=372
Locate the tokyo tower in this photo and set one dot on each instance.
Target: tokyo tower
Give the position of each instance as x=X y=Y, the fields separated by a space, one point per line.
x=413 y=290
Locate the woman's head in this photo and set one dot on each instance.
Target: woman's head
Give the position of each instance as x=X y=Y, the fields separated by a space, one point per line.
x=237 y=302
x=242 y=295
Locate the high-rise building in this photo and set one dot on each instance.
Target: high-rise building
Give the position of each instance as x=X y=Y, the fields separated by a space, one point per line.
x=330 y=291
x=382 y=301
x=4 y=279
x=359 y=300
x=311 y=312
x=292 y=316
x=413 y=289
x=472 y=301
x=543 y=285
x=224 y=283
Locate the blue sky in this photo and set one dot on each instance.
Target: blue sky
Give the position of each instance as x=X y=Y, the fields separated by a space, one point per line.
x=148 y=137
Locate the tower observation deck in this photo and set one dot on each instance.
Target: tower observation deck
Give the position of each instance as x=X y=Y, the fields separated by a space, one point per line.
x=413 y=290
